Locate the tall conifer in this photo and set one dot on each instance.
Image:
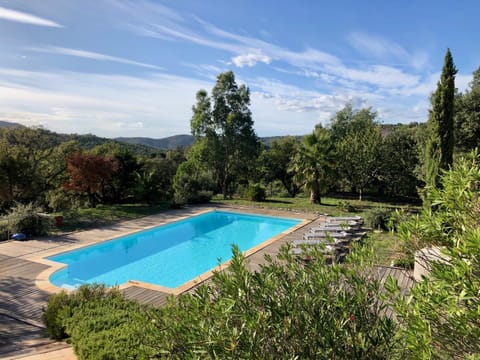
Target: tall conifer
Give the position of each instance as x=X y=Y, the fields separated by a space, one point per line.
x=439 y=150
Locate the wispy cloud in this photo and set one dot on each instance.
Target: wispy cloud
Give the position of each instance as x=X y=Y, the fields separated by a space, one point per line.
x=310 y=63
x=381 y=48
x=90 y=55
x=22 y=17
x=79 y=102
x=198 y=31
x=251 y=58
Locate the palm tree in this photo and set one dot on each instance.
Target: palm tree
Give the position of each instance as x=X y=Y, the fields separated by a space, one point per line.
x=312 y=163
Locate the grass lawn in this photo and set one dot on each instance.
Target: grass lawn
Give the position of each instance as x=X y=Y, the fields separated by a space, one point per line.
x=330 y=205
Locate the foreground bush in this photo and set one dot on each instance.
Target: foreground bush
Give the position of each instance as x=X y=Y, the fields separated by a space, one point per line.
x=441 y=319
x=101 y=324
x=286 y=310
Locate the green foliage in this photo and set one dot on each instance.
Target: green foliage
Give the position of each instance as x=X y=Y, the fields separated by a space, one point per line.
x=379 y=218
x=101 y=323
x=440 y=319
x=439 y=152
x=467 y=116
x=58 y=310
x=110 y=327
x=192 y=184
x=224 y=126
x=346 y=206
x=357 y=140
x=275 y=163
x=399 y=157
x=283 y=311
x=27 y=219
x=312 y=163
x=406 y=262
x=256 y=192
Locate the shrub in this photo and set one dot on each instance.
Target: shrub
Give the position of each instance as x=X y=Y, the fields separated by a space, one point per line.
x=379 y=218
x=57 y=311
x=27 y=219
x=111 y=327
x=256 y=192
x=440 y=318
x=4 y=229
x=286 y=310
x=101 y=323
x=346 y=206
x=191 y=185
x=406 y=262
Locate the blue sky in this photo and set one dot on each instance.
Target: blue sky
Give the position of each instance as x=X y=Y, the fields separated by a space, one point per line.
x=132 y=68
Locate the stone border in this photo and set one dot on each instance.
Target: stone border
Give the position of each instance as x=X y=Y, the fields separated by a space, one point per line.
x=42 y=281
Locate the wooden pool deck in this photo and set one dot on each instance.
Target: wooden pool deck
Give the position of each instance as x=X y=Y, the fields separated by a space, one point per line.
x=23 y=296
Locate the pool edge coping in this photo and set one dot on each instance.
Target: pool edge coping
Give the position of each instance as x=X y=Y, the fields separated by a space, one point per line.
x=42 y=281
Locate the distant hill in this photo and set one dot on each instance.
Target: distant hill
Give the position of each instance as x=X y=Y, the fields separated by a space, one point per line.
x=85 y=141
x=175 y=141
x=167 y=143
x=9 y=124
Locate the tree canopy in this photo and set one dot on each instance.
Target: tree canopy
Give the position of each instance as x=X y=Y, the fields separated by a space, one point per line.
x=224 y=124
x=439 y=152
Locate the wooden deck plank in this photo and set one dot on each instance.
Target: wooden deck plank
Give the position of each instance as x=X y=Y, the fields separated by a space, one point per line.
x=145 y=296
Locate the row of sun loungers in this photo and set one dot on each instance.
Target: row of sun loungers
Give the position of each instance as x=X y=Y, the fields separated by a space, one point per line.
x=335 y=233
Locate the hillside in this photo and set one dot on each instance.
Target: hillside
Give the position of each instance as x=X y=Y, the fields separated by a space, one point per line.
x=175 y=141
x=167 y=143
x=9 y=124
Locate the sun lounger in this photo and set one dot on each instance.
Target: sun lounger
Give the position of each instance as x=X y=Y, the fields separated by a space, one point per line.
x=298 y=243
x=326 y=235
x=344 y=218
x=335 y=228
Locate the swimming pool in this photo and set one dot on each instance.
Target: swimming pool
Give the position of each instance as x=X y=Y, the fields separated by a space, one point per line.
x=169 y=255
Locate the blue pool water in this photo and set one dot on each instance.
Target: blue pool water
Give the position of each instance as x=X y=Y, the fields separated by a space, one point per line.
x=168 y=255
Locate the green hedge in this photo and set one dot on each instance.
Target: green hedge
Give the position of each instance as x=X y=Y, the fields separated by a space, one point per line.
x=101 y=324
x=286 y=310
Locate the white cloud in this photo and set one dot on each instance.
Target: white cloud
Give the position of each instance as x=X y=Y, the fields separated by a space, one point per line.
x=107 y=105
x=251 y=58
x=382 y=48
x=22 y=17
x=462 y=81
x=378 y=75
x=91 y=55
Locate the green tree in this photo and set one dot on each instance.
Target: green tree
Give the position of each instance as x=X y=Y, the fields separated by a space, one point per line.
x=154 y=180
x=32 y=161
x=440 y=318
x=467 y=116
x=192 y=184
x=224 y=126
x=312 y=163
x=357 y=138
x=398 y=161
x=122 y=182
x=439 y=150
x=275 y=163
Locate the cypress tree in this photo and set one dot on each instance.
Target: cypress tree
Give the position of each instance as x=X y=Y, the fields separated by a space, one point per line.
x=439 y=150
